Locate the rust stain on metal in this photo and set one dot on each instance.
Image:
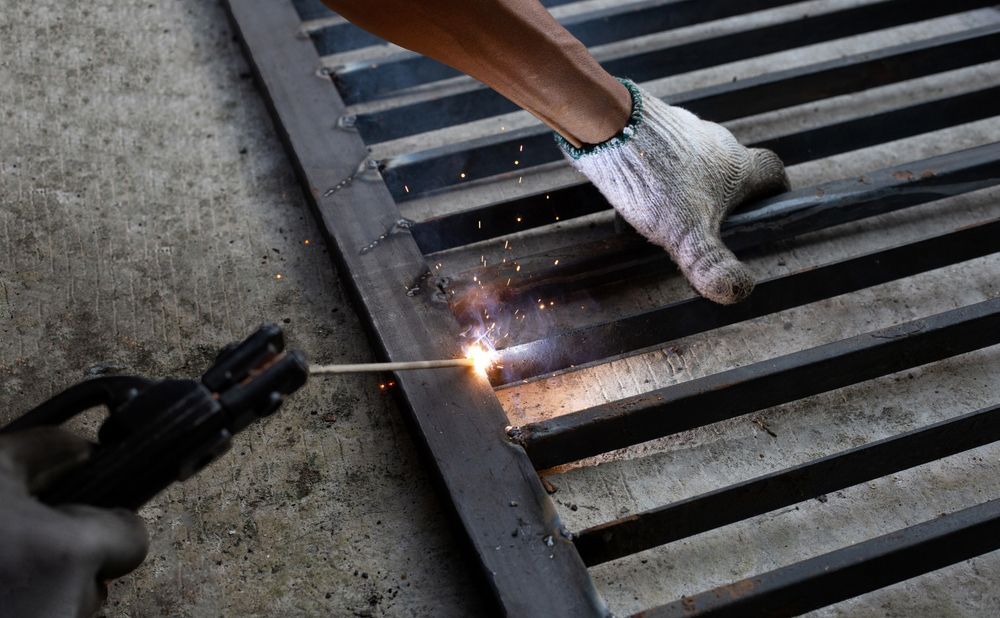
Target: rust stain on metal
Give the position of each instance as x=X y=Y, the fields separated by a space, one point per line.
x=741 y=588
x=549 y=487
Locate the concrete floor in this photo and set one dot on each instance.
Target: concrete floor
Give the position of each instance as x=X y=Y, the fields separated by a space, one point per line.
x=146 y=212
x=148 y=209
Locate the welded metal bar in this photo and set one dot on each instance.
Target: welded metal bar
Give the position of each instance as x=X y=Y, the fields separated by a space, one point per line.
x=438 y=168
x=603 y=26
x=696 y=315
x=881 y=128
x=768 y=383
x=849 y=572
x=769 y=492
x=628 y=256
x=311 y=9
x=455 y=415
x=343 y=37
x=615 y=23
x=499 y=219
x=363 y=81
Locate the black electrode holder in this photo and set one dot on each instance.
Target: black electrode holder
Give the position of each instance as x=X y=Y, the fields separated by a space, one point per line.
x=161 y=431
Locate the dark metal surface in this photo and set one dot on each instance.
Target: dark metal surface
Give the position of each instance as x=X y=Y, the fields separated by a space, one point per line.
x=717 y=397
x=342 y=37
x=366 y=80
x=595 y=28
x=851 y=571
x=438 y=168
x=625 y=257
x=770 y=492
x=490 y=481
x=695 y=315
x=454 y=413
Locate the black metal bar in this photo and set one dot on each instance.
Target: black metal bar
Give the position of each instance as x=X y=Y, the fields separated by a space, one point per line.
x=696 y=315
x=768 y=383
x=346 y=37
x=851 y=571
x=343 y=37
x=881 y=128
x=615 y=23
x=311 y=9
x=628 y=256
x=438 y=168
x=363 y=81
x=455 y=416
x=786 y=487
x=603 y=26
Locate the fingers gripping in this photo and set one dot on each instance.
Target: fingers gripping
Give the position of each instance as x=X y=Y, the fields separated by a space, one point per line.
x=113 y=540
x=34 y=457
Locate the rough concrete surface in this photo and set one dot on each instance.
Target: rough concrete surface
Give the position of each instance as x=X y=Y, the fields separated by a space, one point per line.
x=148 y=216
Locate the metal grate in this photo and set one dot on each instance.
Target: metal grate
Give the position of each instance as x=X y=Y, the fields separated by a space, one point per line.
x=414 y=309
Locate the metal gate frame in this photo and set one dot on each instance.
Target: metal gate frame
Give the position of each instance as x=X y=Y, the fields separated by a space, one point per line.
x=533 y=565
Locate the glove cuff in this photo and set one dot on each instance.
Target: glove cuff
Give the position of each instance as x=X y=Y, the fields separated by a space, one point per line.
x=615 y=141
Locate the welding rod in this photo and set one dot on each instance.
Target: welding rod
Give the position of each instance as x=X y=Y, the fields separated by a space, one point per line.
x=382 y=367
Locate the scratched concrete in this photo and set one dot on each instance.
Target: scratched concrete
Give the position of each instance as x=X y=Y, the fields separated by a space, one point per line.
x=146 y=213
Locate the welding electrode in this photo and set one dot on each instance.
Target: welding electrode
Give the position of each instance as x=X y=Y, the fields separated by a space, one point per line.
x=384 y=367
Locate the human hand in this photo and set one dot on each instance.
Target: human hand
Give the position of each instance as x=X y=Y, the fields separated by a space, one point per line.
x=54 y=560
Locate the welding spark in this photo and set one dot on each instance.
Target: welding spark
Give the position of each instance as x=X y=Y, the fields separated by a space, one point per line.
x=481 y=353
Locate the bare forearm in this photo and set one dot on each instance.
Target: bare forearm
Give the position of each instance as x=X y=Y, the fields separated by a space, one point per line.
x=514 y=46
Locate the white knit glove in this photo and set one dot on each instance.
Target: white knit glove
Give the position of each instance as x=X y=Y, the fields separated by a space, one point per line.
x=674 y=177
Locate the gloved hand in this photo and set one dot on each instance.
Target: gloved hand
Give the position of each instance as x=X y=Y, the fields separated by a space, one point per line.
x=54 y=560
x=674 y=177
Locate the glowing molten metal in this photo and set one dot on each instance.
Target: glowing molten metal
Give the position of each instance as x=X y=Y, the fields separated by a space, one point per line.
x=482 y=357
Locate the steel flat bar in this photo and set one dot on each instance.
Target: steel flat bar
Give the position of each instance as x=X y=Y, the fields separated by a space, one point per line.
x=696 y=315
x=538 y=210
x=628 y=256
x=363 y=81
x=439 y=168
x=849 y=572
x=603 y=26
x=761 y=385
x=344 y=37
x=787 y=487
x=341 y=38
x=622 y=21
x=311 y=9
x=455 y=416
x=881 y=128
